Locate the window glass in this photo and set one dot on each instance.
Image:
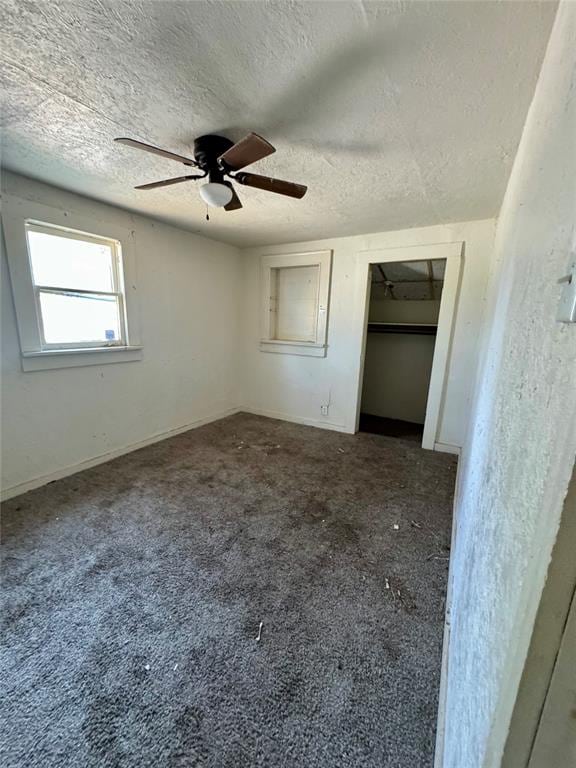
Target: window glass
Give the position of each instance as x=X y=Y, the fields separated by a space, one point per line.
x=78 y=296
x=68 y=318
x=68 y=262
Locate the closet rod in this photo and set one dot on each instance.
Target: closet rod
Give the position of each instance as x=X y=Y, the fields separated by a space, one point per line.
x=421 y=329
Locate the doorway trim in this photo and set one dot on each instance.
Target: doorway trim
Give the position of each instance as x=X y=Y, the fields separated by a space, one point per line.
x=452 y=253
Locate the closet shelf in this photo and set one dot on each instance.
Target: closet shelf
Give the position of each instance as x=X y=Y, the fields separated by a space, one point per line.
x=423 y=329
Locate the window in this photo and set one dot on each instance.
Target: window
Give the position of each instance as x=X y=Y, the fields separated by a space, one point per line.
x=78 y=288
x=295 y=303
x=73 y=280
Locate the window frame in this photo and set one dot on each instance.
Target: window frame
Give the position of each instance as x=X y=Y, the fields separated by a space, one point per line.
x=117 y=282
x=18 y=215
x=316 y=347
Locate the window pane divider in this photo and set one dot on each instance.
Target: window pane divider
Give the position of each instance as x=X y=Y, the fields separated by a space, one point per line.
x=76 y=291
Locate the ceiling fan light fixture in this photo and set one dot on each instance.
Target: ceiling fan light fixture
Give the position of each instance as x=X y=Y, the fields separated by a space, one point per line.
x=215 y=194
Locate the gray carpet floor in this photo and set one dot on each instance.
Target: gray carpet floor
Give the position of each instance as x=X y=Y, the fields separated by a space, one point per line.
x=133 y=594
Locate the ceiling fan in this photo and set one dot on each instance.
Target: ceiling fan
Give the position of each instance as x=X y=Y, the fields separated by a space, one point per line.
x=218 y=158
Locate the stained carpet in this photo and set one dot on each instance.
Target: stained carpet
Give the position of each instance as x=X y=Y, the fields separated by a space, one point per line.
x=133 y=595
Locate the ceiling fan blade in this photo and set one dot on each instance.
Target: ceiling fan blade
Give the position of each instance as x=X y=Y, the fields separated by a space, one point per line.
x=167 y=182
x=272 y=185
x=247 y=151
x=155 y=150
x=235 y=203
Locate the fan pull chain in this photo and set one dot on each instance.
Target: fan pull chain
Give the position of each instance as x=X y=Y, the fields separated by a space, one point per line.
x=207 y=216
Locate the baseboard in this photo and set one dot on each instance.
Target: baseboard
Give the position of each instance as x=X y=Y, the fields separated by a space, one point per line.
x=447 y=448
x=297 y=419
x=37 y=482
x=443 y=692
x=441 y=719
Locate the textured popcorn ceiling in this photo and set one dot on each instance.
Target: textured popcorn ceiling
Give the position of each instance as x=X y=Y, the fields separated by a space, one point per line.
x=395 y=114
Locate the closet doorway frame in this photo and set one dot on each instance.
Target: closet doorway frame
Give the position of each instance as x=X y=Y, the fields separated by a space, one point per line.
x=453 y=254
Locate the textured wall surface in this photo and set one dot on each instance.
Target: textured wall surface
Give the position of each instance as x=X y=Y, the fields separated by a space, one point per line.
x=396 y=114
x=189 y=310
x=519 y=455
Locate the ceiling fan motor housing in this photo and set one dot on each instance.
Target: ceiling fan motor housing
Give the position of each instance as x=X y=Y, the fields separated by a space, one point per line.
x=207 y=150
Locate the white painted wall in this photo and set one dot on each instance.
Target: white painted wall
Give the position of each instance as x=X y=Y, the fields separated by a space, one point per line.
x=402 y=311
x=397 y=367
x=520 y=450
x=191 y=289
x=397 y=371
x=294 y=388
x=189 y=308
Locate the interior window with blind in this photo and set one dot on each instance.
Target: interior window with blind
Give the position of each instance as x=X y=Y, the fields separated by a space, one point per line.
x=77 y=280
x=295 y=303
x=295 y=289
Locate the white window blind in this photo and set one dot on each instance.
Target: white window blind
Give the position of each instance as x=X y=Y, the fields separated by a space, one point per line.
x=295 y=302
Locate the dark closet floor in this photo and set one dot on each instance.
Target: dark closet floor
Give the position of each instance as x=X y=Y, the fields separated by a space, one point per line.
x=134 y=591
x=380 y=425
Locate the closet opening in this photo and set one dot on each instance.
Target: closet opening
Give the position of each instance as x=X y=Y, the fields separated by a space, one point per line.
x=404 y=305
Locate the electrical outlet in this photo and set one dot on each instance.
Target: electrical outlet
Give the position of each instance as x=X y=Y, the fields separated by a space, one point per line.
x=324 y=410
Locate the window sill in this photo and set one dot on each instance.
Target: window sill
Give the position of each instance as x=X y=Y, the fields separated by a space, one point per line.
x=303 y=348
x=50 y=359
